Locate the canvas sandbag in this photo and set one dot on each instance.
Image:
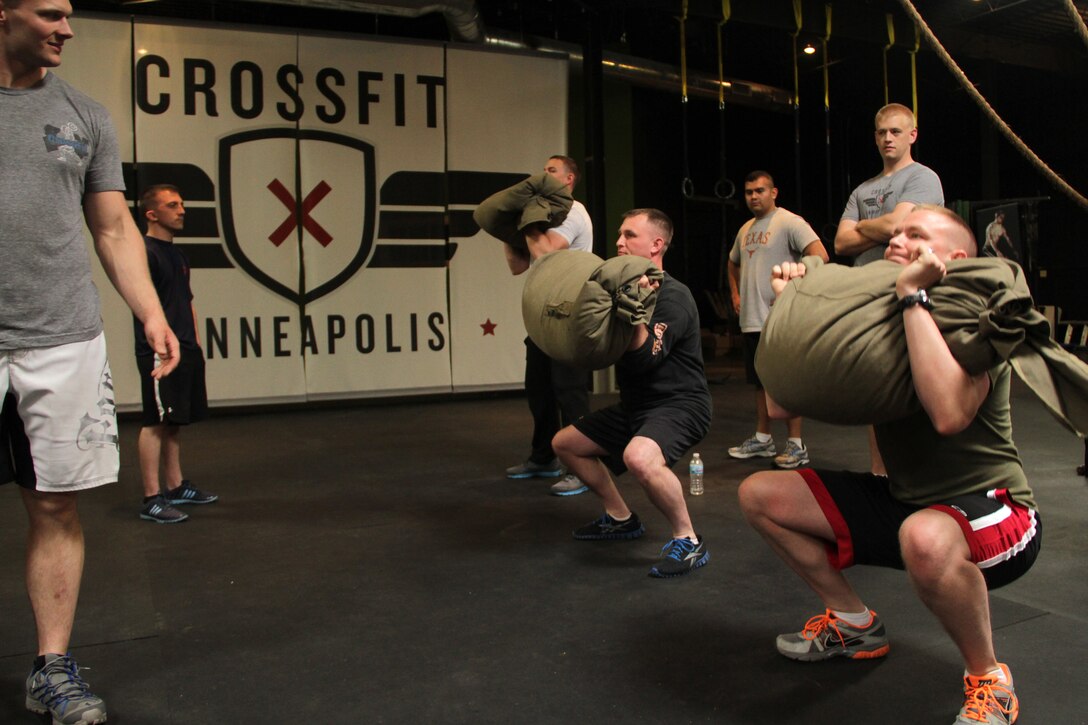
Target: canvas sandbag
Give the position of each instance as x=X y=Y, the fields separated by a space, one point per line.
x=540 y=199
x=834 y=347
x=580 y=310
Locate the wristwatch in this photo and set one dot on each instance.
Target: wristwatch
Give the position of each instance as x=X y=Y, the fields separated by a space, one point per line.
x=918 y=298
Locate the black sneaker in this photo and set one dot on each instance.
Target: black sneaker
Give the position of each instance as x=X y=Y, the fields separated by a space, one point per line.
x=188 y=493
x=680 y=556
x=607 y=527
x=57 y=689
x=159 y=510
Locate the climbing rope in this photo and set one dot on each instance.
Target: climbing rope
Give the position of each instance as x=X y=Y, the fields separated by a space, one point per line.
x=990 y=112
x=1078 y=21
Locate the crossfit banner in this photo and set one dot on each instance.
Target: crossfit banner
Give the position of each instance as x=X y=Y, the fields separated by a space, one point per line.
x=329 y=185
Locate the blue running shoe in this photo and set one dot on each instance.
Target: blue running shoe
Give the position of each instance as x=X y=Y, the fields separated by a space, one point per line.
x=58 y=690
x=680 y=556
x=188 y=493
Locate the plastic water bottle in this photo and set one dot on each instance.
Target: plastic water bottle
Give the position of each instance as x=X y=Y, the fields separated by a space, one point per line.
x=695 y=475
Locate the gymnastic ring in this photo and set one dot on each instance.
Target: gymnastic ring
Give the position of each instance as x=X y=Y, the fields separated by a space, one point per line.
x=687 y=188
x=718 y=189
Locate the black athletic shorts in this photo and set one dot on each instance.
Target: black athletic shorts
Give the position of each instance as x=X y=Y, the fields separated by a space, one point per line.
x=178 y=399
x=751 y=342
x=675 y=429
x=1004 y=536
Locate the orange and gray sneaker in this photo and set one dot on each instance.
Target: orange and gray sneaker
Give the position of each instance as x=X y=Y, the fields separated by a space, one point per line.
x=988 y=701
x=826 y=636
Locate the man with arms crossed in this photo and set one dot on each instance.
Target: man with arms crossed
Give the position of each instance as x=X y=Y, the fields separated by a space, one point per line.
x=557 y=393
x=955 y=510
x=59 y=166
x=664 y=409
x=773 y=235
x=182 y=398
x=877 y=206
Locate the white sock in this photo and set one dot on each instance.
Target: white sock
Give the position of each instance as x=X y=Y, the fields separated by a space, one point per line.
x=860 y=619
x=762 y=437
x=797 y=442
x=997 y=675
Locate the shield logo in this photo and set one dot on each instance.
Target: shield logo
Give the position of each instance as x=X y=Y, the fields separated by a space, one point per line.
x=298 y=208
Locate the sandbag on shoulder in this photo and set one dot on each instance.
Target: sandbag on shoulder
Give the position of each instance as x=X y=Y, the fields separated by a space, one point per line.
x=834 y=348
x=580 y=309
x=540 y=199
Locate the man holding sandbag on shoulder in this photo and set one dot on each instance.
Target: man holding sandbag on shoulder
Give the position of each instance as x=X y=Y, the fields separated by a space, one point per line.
x=955 y=510
x=664 y=409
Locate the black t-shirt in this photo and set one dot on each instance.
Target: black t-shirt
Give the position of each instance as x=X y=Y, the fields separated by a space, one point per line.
x=668 y=368
x=170 y=275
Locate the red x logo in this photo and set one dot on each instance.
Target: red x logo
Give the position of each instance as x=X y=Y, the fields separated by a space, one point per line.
x=312 y=199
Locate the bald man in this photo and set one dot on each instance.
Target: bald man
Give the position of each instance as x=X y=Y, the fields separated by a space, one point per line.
x=955 y=510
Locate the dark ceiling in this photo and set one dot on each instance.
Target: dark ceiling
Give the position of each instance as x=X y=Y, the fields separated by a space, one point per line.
x=1031 y=33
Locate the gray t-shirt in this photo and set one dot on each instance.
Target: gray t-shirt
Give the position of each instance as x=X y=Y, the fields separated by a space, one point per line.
x=57 y=145
x=760 y=244
x=880 y=195
x=577 y=228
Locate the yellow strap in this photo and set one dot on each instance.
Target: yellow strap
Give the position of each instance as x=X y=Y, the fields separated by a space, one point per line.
x=796 y=76
x=726 y=12
x=914 y=70
x=891 y=42
x=683 y=53
x=827 y=37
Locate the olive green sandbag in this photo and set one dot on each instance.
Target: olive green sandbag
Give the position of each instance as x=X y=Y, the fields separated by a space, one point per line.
x=834 y=348
x=540 y=199
x=580 y=310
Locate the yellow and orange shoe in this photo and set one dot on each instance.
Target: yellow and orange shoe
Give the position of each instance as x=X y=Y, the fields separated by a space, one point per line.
x=988 y=701
x=826 y=636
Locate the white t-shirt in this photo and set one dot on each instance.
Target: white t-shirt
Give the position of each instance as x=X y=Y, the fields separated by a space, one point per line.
x=577 y=228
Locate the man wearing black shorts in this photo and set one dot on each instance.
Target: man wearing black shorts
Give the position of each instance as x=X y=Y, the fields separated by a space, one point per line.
x=664 y=409
x=955 y=510
x=182 y=398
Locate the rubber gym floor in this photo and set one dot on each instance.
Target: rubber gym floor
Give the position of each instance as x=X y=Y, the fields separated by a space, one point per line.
x=372 y=564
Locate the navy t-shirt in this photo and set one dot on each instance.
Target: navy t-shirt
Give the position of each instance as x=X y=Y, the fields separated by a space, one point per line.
x=170 y=275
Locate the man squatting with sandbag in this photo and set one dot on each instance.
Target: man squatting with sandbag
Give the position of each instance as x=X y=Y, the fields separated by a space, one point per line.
x=955 y=510
x=556 y=393
x=664 y=409
x=771 y=236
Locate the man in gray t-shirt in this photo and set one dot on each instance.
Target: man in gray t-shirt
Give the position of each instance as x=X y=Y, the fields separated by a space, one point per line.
x=59 y=167
x=772 y=236
x=877 y=206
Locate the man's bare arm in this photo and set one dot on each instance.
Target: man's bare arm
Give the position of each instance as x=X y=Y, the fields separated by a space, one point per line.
x=121 y=250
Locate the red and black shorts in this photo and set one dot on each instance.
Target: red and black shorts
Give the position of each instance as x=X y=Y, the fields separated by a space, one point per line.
x=1004 y=536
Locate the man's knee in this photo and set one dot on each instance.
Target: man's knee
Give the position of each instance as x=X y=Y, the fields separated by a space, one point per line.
x=45 y=508
x=931 y=541
x=641 y=456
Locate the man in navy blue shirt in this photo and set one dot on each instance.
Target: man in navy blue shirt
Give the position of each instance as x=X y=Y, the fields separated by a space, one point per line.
x=181 y=399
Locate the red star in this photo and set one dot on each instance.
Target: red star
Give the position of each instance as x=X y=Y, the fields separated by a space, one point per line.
x=489 y=327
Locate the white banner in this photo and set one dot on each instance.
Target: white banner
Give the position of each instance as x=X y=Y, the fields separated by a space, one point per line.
x=329 y=184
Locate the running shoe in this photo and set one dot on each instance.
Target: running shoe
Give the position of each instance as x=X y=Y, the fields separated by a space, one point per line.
x=793 y=457
x=530 y=469
x=188 y=493
x=607 y=527
x=680 y=556
x=826 y=636
x=159 y=510
x=988 y=701
x=753 y=448
x=568 y=485
x=57 y=689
